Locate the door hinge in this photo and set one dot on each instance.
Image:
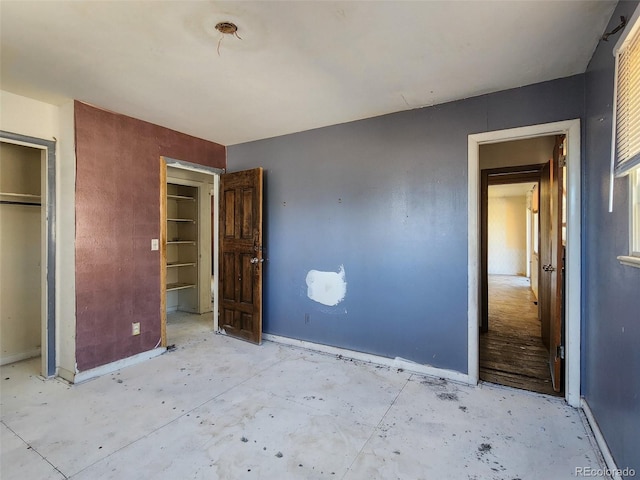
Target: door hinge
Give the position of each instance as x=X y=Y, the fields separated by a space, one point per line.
x=560 y=352
x=563 y=161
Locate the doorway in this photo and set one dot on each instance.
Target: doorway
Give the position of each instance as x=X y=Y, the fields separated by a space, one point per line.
x=571 y=306
x=512 y=349
x=189 y=256
x=27 y=203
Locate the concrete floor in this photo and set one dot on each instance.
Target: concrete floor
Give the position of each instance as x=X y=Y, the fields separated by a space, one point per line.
x=219 y=408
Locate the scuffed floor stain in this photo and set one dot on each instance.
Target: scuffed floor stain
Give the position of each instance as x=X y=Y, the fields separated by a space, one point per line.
x=484 y=447
x=434 y=381
x=448 y=396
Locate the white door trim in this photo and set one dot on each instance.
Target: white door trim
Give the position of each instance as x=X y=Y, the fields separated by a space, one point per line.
x=571 y=128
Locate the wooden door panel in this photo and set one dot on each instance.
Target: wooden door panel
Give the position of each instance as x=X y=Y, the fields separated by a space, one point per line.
x=241 y=254
x=247 y=214
x=228 y=267
x=229 y=224
x=246 y=322
x=227 y=317
x=246 y=275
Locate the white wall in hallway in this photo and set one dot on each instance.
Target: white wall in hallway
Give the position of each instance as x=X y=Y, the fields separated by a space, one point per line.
x=507 y=235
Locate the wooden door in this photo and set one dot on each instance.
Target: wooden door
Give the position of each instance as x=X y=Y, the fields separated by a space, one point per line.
x=240 y=285
x=556 y=267
x=551 y=275
x=544 y=243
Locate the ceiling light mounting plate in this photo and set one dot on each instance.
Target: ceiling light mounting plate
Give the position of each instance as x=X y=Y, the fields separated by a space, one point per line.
x=227 y=28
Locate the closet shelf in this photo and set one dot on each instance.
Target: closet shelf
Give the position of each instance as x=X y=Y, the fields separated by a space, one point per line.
x=181 y=254
x=186 y=220
x=181 y=197
x=20 y=197
x=179 y=286
x=181 y=264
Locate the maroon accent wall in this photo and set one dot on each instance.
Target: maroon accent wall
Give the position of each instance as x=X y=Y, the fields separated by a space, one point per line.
x=117 y=215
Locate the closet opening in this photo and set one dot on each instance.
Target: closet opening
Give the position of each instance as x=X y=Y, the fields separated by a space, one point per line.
x=188 y=251
x=27 y=249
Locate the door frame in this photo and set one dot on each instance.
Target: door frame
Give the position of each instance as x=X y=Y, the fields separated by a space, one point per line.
x=48 y=242
x=501 y=176
x=570 y=128
x=194 y=167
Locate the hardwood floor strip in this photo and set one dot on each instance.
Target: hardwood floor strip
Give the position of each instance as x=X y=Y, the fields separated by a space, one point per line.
x=512 y=352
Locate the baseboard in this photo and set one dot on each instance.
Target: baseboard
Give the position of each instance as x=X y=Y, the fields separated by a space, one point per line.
x=602 y=443
x=64 y=374
x=397 y=362
x=85 y=375
x=16 y=357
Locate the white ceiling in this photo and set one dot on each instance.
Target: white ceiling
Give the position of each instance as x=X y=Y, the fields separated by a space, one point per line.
x=299 y=65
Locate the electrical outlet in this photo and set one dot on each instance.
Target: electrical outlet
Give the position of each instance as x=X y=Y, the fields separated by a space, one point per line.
x=155 y=244
x=135 y=328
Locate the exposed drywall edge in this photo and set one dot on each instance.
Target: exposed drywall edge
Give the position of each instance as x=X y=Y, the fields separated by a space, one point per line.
x=599 y=437
x=114 y=366
x=370 y=358
x=16 y=357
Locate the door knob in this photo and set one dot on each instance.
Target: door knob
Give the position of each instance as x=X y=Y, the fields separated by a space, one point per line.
x=257 y=260
x=548 y=268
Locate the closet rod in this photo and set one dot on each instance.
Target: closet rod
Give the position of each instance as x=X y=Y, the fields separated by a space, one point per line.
x=9 y=202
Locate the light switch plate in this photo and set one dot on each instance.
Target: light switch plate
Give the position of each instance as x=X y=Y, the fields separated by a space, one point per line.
x=135 y=328
x=155 y=244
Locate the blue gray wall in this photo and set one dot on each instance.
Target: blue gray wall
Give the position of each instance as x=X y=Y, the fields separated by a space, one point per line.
x=611 y=291
x=387 y=198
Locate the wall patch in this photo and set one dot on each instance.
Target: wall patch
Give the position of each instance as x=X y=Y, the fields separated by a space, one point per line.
x=327 y=288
